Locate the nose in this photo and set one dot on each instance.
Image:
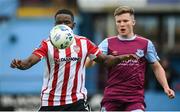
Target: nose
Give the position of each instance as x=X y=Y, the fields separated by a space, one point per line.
x=121 y=23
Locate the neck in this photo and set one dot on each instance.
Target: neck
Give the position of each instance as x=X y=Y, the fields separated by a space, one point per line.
x=127 y=36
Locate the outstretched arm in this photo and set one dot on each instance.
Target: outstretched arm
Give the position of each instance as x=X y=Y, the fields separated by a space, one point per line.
x=25 y=64
x=110 y=60
x=89 y=63
x=161 y=77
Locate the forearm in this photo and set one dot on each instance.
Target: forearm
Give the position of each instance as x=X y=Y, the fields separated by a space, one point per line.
x=89 y=63
x=111 y=61
x=108 y=60
x=161 y=76
x=25 y=64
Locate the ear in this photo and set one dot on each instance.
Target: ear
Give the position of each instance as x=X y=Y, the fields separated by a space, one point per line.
x=74 y=24
x=134 y=22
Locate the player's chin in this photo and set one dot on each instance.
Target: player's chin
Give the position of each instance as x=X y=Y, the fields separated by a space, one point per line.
x=123 y=34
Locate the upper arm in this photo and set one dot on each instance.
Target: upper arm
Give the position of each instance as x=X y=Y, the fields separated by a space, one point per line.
x=155 y=65
x=37 y=54
x=151 y=54
x=42 y=50
x=103 y=46
x=157 y=68
x=100 y=55
x=93 y=50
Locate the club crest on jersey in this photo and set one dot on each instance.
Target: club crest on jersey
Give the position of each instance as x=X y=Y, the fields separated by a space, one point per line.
x=76 y=48
x=140 y=53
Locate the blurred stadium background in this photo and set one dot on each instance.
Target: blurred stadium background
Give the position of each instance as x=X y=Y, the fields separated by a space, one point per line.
x=24 y=23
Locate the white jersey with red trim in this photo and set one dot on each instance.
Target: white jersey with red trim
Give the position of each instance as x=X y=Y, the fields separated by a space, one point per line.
x=64 y=76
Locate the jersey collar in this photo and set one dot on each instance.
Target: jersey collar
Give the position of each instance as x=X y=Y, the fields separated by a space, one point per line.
x=126 y=39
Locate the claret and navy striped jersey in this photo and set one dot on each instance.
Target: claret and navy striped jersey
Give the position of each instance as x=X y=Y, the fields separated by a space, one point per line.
x=64 y=76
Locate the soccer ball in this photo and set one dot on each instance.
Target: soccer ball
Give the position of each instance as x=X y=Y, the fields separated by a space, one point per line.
x=61 y=36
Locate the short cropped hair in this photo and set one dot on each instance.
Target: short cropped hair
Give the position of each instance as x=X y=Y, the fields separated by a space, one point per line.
x=123 y=9
x=65 y=11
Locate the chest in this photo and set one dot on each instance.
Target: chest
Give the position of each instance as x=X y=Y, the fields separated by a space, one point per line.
x=74 y=53
x=117 y=47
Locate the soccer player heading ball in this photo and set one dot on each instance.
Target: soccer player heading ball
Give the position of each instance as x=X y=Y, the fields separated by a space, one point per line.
x=64 y=77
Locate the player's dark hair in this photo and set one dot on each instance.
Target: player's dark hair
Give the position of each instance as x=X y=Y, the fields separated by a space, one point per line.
x=65 y=11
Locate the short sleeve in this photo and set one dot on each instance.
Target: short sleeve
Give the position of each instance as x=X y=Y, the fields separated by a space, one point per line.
x=103 y=46
x=151 y=55
x=42 y=50
x=93 y=50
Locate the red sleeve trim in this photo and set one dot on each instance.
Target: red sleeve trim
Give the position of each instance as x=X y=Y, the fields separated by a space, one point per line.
x=38 y=55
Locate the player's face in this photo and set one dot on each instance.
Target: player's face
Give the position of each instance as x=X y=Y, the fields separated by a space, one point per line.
x=64 y=19
x=124 y=24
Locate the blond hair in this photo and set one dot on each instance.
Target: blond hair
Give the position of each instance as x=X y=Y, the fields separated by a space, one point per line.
x=123 y=9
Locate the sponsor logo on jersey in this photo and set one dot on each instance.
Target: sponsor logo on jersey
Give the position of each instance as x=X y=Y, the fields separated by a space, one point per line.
x=129 y=62
x=67 y=59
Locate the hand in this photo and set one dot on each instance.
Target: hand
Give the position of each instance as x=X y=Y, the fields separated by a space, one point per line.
x=133 y=56
x=16 y=63
x=170 y=93
x=129 y=56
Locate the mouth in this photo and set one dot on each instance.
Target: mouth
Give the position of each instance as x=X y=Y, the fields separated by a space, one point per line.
x=122 y=30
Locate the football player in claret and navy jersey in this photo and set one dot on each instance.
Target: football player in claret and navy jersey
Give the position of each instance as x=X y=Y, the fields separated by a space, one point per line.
x=124 y=89
x=64 y=77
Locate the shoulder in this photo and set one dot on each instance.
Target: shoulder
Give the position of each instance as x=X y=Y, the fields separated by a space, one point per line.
x=45 y=41
x=105 y=41
x=148 y=41
x=80 y=37
x=142 y=38
x=83 y=39
x=111 y=37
